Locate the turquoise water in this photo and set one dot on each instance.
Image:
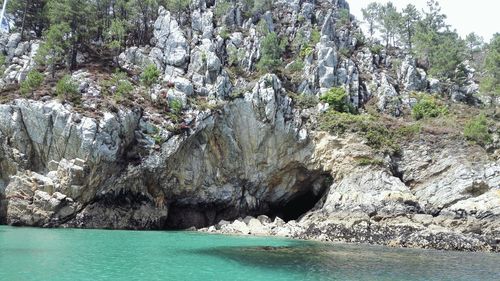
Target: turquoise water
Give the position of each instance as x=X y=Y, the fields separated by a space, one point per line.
x=71 y=254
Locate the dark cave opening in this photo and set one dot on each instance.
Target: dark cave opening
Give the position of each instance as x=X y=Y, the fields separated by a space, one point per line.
x=297 y=206
x=309 y=191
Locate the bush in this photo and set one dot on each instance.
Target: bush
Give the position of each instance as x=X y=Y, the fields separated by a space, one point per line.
x=304 y=100
x=428 y=107
x=376 y=49
x=221 y=8
x=296 y=66
x=175 y=106
x=337 y=99
x=119 y=86
x=33 y=80
x=68 y=89
x=476 y=130
x=315 y=36
x=271 y=51
x=343 y=18
x=150 y=75
x=376 y=134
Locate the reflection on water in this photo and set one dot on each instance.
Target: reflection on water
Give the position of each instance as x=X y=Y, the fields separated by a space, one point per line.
x=356 y=262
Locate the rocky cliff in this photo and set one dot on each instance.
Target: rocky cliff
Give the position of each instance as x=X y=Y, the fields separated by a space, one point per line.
x=252 y=148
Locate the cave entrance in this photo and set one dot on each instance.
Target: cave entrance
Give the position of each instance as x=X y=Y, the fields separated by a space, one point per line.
x=299 y=205
x=314 y=188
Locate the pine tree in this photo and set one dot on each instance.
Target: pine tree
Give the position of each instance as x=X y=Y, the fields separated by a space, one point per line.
x=410 y=18
x=371 y=15
x=29 y=15
x=490 y=83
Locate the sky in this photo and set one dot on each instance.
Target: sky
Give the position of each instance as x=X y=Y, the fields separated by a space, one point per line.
x=479 y=16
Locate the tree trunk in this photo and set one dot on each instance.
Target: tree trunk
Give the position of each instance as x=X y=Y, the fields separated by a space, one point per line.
x=26 y=5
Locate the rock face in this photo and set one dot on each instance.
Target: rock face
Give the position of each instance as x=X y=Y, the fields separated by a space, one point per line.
x=252 y=152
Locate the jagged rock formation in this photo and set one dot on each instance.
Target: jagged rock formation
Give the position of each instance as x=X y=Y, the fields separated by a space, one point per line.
x=254 y=153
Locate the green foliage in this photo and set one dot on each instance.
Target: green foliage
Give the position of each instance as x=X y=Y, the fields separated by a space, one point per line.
x=271 y=51
x=177 y=6
x=376 y=49
x=234 y=55
x=476 y=130
x=3 y=60
x=175 y=106
x=256 y=7
x=67 y=89
x=315 y=36
x=32 y=82
x=409 y=131
x=428 y=107
x=306 y=51
x=490 y=83
x=150 y=75
x=343 y=18
x=52 y=52
x=118 y=86
x=296 y=66
x=303 y=100
x=370 y=15
x=221 y=8
x=338 y=99
x=28 y=15
x=345 y=52
x=368 y=161
x=224 y=33
x=374 y=132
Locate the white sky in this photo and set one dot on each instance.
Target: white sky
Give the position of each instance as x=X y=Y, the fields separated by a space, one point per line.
x=479 y=16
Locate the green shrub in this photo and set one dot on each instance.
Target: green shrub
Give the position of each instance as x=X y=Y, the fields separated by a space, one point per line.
x=3 y=60
x=315 y=37
x=428 y=107
x=224 y=33
x=368 y=161
x=345 y=52
x=296 y=66
x=372 y=130
x=343 y=18
x=271 y=51
x=376 y=49
x=175 y=106
x=304 y=100
x=150 y=75
x=476 y=130
x=67 y=89
x=221 y=8
x=118 y=85
x=33 y=81
x=337 y=98
x=177 y=5
x=306 y=51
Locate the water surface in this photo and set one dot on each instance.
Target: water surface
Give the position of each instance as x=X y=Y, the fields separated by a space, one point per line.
x=72 y=254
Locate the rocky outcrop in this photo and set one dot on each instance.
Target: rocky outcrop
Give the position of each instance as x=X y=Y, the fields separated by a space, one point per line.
x=19 y=57
x=451 y=203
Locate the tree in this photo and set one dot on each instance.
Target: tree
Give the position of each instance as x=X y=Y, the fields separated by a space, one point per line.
x=389 y=21
x=271 y=51
x=409 y=19
x=446 y=54
x=474 y=43
x=371 y=15
x=76 y=14
x=490 y=83
x=52 y=52
x=29 y=15
x=116 y=36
